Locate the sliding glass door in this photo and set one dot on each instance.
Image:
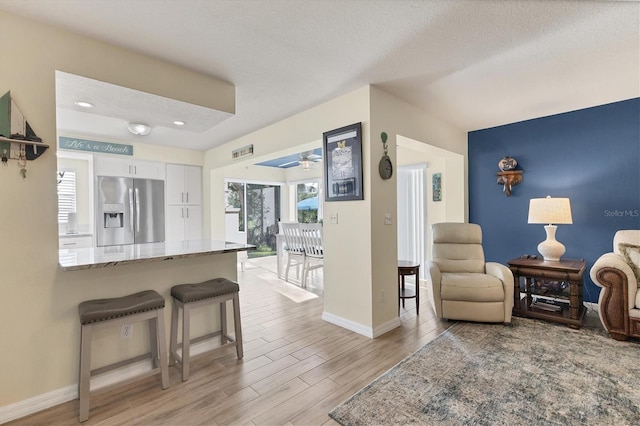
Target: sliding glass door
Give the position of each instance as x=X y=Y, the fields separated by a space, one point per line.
x=258 y=212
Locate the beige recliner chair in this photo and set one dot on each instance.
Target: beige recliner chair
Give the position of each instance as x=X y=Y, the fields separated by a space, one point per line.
x=618 y=273
x=464 y=286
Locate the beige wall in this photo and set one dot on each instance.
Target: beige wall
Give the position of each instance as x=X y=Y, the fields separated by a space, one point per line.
x=397 y=118
x=39 y=330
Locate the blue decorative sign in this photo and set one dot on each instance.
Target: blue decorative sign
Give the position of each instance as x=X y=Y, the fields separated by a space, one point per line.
x=76 y=144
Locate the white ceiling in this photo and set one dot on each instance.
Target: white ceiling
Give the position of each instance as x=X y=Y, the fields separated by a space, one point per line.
x=474 y=63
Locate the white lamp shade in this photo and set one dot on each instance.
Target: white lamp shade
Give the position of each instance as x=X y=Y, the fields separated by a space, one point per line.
x=550 y=210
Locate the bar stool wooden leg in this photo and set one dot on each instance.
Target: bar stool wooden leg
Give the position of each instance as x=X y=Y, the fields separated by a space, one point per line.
x=186 y=344
x=223 y=322
x=173 y=339
x=238 y=327
x=85 y=371
x=161 y=347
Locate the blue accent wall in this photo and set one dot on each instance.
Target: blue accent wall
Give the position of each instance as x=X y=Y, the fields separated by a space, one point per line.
x=591 y=156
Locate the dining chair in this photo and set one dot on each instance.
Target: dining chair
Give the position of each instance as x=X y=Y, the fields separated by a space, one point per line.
x=293 y=246
x=312 y=240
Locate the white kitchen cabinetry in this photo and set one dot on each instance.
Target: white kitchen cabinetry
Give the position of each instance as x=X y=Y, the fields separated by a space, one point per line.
x=75 y=242
x=184 y=185
x=184 y=199
x=184 y=223
x=128 y=167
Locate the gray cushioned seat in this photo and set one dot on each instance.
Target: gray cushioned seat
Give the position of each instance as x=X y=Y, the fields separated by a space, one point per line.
x=187 y=293
x=105 y=309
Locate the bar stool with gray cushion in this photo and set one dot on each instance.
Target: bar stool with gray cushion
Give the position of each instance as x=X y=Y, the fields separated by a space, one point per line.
x=188 y=296
x=105 y=313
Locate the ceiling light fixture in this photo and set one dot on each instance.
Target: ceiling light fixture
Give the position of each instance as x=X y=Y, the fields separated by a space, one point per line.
x=84 y=104
x=305 y=164
x=178 y=123
x=139 y=129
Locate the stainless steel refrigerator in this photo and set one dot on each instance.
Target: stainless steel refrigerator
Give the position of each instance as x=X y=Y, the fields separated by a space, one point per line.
x=129 y=211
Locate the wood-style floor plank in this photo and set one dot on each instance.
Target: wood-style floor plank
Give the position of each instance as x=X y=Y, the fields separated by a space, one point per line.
x=296 y=367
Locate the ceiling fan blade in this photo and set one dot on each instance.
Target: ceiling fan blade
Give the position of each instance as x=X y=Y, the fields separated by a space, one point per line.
x=286 y=164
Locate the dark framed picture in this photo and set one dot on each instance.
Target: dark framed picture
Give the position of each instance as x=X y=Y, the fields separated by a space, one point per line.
x=343 y=163
x=437 y=187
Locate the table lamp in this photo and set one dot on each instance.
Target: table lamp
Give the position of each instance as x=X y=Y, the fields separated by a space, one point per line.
x=550 y=210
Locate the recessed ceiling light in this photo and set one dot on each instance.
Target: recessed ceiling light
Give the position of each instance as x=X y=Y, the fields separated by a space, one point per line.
x=84 y=104
x=178 y=123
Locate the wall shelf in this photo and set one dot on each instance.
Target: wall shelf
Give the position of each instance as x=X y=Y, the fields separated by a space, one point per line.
x=33 y=149
x=508 y=179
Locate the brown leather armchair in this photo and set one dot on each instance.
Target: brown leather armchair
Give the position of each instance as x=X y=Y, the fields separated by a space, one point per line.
x=618 y=273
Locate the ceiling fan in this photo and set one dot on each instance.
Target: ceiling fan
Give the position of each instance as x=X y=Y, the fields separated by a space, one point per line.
x=307 y=160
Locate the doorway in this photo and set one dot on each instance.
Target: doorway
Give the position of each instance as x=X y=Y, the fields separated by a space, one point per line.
x=252 y=215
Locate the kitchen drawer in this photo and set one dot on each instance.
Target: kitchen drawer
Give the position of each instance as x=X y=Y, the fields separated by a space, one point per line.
x=76 y=242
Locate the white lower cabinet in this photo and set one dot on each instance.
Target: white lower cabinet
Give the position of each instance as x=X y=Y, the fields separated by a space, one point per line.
x=75 y=242
x=183 y=223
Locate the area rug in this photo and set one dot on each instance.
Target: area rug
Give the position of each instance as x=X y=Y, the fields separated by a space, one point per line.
x=529 y=373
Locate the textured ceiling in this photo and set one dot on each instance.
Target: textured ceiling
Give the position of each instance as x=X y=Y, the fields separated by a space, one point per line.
x=476 y=64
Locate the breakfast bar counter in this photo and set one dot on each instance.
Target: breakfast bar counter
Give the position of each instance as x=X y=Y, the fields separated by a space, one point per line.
x=101 y=257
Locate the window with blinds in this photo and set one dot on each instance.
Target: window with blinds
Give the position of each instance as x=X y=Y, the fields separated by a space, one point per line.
x=66 y=195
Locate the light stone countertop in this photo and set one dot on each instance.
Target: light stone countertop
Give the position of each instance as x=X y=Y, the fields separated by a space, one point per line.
x=101 y=257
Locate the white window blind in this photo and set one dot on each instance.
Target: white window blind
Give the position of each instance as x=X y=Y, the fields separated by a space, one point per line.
x=66 y=195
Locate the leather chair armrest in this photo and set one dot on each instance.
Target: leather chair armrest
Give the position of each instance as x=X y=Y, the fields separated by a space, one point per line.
x=505 y=275
x=435 y=278
x=617 y=296
x=603 y=273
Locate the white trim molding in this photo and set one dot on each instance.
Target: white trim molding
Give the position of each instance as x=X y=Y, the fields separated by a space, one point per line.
x=360 y=328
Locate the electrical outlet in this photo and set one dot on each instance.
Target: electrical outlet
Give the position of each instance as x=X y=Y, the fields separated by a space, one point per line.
x=333 y=217
x=126 y=332
x=387 y=218
x=381 y=296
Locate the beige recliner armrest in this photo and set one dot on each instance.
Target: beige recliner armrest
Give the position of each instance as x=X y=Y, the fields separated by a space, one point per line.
x=436 y=280
x=505 y=275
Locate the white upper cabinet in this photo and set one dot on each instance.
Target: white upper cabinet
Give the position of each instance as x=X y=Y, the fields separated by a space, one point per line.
x=128 y=167
x=184 y=184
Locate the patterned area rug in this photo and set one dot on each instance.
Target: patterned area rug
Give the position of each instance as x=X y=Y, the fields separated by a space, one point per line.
x=529 y=373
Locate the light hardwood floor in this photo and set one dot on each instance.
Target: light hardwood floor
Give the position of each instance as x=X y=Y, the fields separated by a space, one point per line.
x=296 y=366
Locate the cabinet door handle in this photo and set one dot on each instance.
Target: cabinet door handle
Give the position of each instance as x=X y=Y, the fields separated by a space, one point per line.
x=187 y=212
x=187 y=197
x=182 y=197
x=182 y=213
x=135 y=170
x=69 y=244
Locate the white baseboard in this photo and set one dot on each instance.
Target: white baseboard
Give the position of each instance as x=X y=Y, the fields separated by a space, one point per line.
x=37 y=403
x=360 y=328
x=69 y=393
x=387 y=326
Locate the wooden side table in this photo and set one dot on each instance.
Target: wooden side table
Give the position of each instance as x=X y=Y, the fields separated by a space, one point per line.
x=540 y=277
x=406 y=267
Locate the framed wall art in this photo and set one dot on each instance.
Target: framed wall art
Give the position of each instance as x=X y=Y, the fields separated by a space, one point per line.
x=437 y=186
x=343 y=163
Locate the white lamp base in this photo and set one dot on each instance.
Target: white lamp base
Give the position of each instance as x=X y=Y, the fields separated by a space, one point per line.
x=551 y=249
